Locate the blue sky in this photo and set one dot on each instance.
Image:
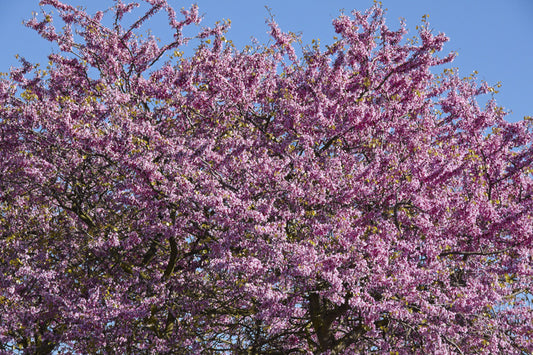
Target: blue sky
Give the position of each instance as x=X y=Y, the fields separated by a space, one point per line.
x=493 y=37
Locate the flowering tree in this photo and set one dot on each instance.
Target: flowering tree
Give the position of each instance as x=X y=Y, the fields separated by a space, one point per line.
x=254 y=202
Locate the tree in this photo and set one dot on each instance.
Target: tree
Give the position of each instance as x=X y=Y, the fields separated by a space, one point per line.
x=349 y=200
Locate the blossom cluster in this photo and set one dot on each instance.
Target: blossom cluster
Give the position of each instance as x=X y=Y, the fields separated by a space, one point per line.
x=265 y=200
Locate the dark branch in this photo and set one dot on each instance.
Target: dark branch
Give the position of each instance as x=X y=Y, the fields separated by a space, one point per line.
x=467 y=253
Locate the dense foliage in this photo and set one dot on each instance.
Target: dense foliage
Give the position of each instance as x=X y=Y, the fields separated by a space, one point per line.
x=343 y=199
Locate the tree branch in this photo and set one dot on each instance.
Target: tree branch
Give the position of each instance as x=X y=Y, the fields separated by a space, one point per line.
x=467 y=253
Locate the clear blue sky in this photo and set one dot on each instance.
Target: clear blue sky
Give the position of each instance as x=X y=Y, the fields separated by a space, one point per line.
x=494 y=37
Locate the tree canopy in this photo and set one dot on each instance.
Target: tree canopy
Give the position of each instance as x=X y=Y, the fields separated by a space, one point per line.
x=279 y=199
